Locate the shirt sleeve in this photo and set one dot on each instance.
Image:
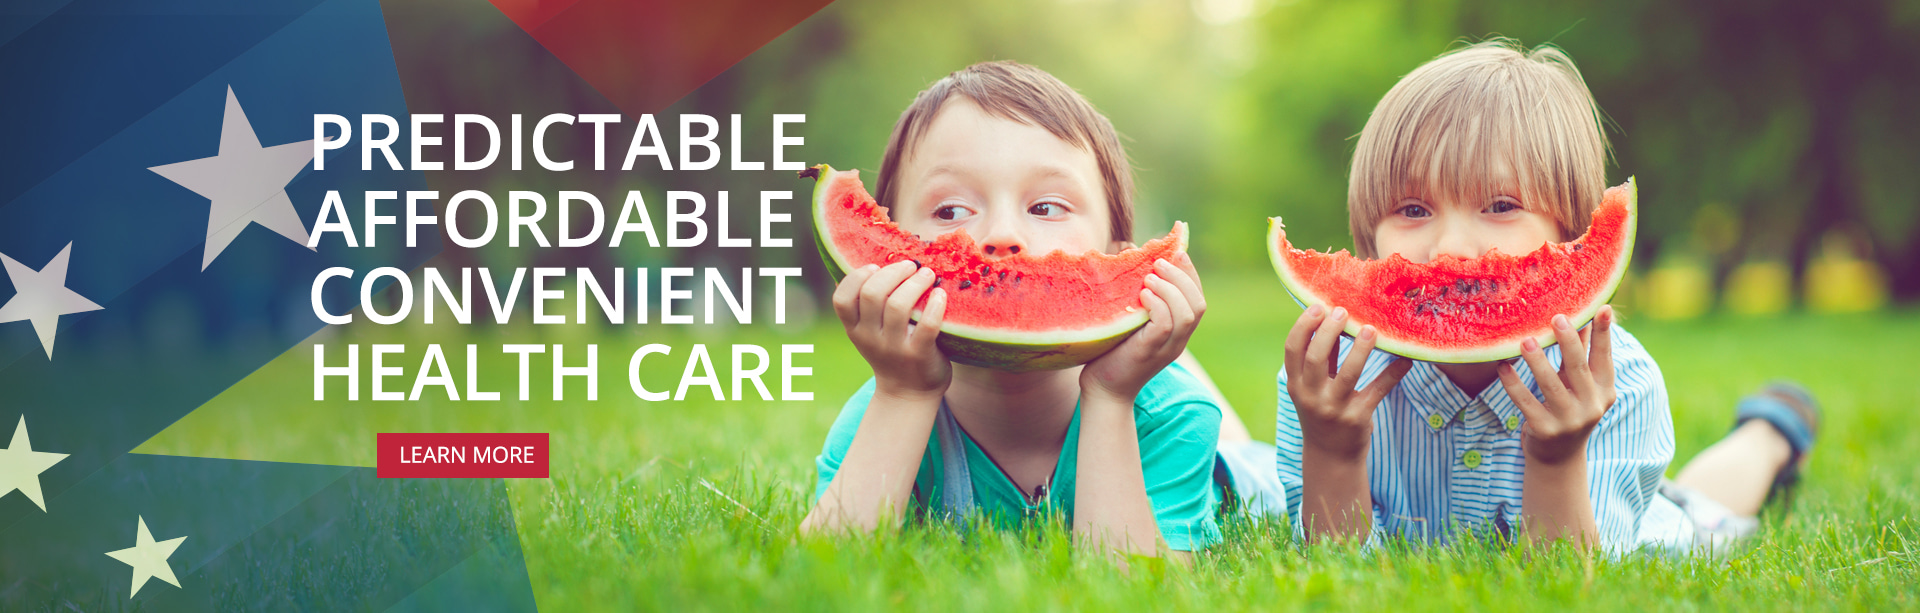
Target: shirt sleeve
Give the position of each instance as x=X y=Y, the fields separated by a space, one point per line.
x=840 y=437
x=1629 y=451
x=1290 y=445
x=1176 y=462
x=1179 y=437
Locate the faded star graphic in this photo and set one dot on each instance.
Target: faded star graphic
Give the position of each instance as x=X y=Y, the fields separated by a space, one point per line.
x=20 y=466
x=42 y=296
x=246 y=182
x=148 y=558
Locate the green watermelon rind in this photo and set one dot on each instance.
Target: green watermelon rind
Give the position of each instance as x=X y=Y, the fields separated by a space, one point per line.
x=1297 y=290
x=1007 y=350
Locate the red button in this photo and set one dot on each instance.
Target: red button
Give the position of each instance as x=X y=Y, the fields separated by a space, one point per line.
x=427 y=455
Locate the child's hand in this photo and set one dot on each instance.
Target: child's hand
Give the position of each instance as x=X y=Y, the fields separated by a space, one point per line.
x=1334 y=417
x=1174 y=307
x=1576 y=399
x=876 y=305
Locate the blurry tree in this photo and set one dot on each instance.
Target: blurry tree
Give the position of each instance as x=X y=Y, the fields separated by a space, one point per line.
x=1798 y=114
x=1795 y=117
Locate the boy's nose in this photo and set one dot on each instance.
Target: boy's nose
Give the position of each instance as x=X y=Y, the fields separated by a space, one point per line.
x=1457 y=242
x=1001 y=236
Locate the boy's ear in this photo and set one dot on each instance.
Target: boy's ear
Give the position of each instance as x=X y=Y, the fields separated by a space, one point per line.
x=1119 y=246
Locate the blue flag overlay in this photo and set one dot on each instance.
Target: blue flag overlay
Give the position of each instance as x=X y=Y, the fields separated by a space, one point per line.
x=153 y=219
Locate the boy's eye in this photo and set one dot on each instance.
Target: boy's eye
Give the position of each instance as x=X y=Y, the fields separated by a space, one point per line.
x=1416 y=211
x=951 y=212
x=1046 y=209
x=1503 y=205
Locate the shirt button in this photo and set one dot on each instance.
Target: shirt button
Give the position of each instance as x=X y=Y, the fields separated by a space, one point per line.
x=1436 y=421
x=1471 y=458
x=1513 y=423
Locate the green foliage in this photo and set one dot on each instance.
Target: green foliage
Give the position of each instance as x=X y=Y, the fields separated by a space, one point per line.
x=1794 y=114
x=1763 y=125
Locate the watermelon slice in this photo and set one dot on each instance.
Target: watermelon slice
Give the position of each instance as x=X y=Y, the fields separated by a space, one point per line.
x=1468 y=310
x=1018 y=313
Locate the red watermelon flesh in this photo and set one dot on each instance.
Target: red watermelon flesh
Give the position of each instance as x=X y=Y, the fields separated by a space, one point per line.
x=1016 y=313
x=1468 y=309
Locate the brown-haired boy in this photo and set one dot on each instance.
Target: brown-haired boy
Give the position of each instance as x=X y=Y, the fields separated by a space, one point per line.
x=1123 y=447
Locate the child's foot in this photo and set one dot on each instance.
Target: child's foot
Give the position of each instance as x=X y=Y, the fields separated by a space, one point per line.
x=1791 y=410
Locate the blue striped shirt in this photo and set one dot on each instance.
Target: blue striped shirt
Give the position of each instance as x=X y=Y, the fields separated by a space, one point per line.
x=1442 y=461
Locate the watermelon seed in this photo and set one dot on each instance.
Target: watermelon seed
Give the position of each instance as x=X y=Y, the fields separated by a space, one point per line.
x=936 y=281
x=1413 y=293
x=984 y=271
x=916 y=263
x=1003 y=275
x=964 y=284
x=1579 y=246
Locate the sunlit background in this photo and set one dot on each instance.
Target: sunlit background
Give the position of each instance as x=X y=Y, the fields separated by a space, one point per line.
x=1774 y=142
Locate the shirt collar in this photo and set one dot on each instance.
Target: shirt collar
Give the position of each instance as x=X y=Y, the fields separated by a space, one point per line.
x=1433 y=395
x=1496 y=398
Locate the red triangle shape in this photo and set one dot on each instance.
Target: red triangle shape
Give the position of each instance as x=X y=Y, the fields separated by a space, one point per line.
x=645 y=54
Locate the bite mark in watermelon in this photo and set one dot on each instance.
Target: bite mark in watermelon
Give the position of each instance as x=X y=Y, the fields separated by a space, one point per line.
x=1017 y=313
x=1464 y=310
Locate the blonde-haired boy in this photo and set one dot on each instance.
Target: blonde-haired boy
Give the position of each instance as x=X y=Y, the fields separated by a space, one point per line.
x=1493 y=146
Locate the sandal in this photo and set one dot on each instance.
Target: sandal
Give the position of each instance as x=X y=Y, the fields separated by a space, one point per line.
x=1791 y=410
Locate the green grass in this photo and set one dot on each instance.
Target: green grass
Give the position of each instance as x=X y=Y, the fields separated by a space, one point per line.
x=694 y=504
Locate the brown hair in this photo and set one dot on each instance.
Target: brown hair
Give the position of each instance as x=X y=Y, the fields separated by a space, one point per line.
x=1441 y=129
x=1018 y=92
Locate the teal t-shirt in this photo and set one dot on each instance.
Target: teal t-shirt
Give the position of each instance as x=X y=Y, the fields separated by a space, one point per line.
x=1179 y=426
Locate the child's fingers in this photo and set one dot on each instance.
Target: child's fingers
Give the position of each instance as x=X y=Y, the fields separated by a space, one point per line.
x=1185 y=261
x=1301 y=333
x=1177 y=305
x=1183 y=317
x=1349 y=375
x=1573 y=358
x=1381 y=385
x=1573 y=353
x=1522 y=398
x=1586 y=340
x=873 y=297
x=1602 y=348
x=1543 y=373
x=1159 y=320
x=1326 y=343
x=931 y=317
x=846 y=296
x=1185 y=279
x=900 y=303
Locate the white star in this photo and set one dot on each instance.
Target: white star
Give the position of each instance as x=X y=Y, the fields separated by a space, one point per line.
x=148 y=558
x=20 y=466
x=42 y=296
x=246 y=182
